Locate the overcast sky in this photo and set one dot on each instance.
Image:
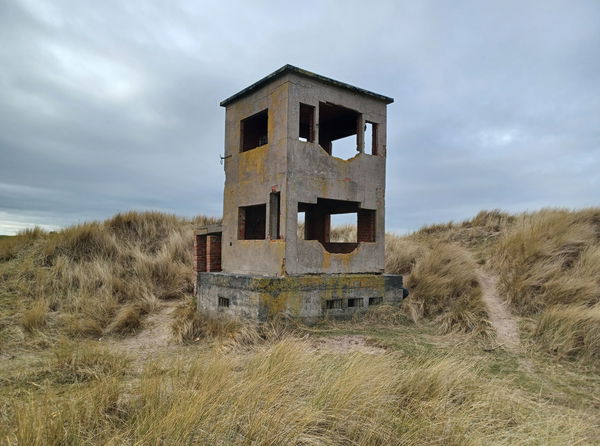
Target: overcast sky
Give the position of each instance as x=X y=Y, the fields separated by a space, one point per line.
x=107 y=106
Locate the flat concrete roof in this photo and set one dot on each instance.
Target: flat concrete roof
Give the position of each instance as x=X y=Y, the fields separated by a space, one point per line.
x=292 y=69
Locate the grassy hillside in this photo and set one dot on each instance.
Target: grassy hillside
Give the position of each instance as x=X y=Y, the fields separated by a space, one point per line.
x=81 y=358
x=547 y=263
x=94 y=278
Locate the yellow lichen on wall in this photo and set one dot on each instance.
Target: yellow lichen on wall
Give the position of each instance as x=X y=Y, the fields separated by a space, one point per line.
x=286 y=296
x=326 y=263
x=348 y=258
x=251 y=164
x=287 y=302
x=281 y=297
x=345 y=259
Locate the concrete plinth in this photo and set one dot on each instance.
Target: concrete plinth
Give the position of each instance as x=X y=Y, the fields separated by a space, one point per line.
x=308 y=297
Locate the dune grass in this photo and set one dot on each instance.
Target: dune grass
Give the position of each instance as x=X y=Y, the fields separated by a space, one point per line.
x=547 y=263
x=228 y=382
x=190 y=326
x=95 y=278
x=442 y=279
x=285 y=394
x=571 y=331
x=550 y=257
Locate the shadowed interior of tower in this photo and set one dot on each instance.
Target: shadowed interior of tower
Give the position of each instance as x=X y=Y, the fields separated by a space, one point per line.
x=252 y=222
x=337 y=123
x=317 y=223
x=254 y=130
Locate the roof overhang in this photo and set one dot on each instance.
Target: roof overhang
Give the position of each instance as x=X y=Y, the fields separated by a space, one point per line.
x=308 y=74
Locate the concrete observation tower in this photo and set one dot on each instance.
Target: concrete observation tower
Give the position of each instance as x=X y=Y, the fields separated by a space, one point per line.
x=284 y=182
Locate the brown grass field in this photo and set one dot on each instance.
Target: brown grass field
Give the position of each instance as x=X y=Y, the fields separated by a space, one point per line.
x=100 y=343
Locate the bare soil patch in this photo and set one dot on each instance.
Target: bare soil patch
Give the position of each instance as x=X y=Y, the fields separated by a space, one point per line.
x=346 y=344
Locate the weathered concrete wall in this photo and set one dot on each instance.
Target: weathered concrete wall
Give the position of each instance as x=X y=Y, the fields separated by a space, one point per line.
x=301 y=172
x=313 y=173
x=249 y=178
x=261 y=298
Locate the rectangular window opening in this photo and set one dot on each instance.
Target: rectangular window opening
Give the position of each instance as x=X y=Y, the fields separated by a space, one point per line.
x=370 y=138
x=274 y=215
x=343 y=228
x=338 y=130
x=223 y=302
x=254 y=131
x=355 y=302
x=252 y=222
x=331 y=304
x=306 y=131
x=336 y=224
x=375 y=301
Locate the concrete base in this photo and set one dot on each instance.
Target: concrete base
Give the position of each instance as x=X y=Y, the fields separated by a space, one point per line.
x=308 y=297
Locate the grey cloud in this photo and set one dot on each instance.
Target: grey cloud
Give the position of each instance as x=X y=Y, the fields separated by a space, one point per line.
x=115 y=106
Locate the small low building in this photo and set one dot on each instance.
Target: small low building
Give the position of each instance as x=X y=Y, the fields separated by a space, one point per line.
x=275 y=252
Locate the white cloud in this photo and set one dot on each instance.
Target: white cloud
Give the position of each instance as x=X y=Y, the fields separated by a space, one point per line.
x=11 y=224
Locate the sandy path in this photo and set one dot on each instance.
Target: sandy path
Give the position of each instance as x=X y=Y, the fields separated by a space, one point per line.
x=507 y=331
x=154 y=337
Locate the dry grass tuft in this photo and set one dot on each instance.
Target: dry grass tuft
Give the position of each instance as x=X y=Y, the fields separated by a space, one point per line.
x=550 y=257
x=494 y=220
x=72 y=362
x=403 y=253
x=80 y=419
x=127 y=320
x=250 y=335
x=100 y=277
x=444 y=285
x=78 y=326
x=35 y=317
x=11 y=246
x=80 y=243
x=571 y=332
x=442 y=279
x=436 y=228
x=287 y=394
x=384 y=315
x=191 y=326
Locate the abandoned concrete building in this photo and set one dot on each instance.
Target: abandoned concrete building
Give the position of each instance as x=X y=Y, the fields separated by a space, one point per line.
x=282 y=174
